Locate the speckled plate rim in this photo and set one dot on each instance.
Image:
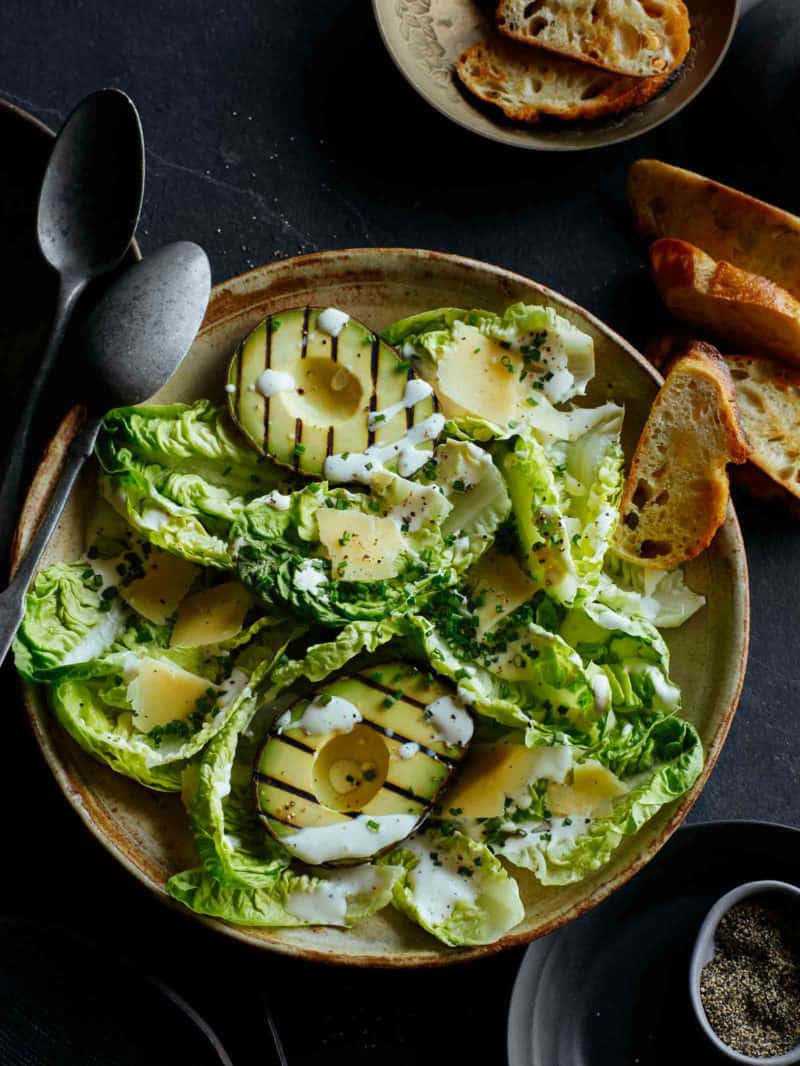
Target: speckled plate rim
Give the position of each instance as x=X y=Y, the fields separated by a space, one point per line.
x=549 y=146
x=228 y=299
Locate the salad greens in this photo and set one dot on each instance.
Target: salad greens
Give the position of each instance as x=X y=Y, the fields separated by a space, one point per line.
x=221 y=589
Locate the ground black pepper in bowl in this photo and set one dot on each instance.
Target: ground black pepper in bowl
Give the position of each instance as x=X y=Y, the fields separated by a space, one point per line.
x=750 y=989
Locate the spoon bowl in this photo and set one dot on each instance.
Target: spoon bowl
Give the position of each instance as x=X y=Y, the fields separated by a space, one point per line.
x=704 y=951
x=92 y=190
x=138 y=333
x=133 y=342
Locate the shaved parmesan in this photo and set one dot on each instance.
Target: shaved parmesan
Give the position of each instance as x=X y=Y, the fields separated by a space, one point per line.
x=361 y=547
x=166 y=581
x=162 y=692
x=211 y=616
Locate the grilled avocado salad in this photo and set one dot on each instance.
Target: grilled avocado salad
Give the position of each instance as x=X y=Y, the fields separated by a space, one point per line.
x=365 y=618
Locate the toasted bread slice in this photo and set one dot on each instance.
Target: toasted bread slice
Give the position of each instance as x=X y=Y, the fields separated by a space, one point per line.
x=641 y=38
x=768 y=399
x=670 y=202
x=676 y=494
x=526 y=83
x=742 y=309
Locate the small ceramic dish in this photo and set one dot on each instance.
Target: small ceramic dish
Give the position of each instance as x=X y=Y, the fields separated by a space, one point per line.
x=704 y=952
x=426 y=37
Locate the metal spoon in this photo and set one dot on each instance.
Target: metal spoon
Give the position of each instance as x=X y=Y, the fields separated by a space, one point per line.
x=88 y=209
x=130 y=346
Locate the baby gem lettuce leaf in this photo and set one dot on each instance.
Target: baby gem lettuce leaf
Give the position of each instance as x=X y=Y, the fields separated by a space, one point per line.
x=181 y=476
x=454 y=887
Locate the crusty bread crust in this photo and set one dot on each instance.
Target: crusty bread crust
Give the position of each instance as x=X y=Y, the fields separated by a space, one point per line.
x=526 y=83
x=676 y=493
x=745 y=310
x=729 y=225
x=623 y=36
x=768 y=400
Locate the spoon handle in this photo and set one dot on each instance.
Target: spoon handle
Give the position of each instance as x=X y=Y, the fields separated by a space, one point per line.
x=12 y=601
x=11 y=488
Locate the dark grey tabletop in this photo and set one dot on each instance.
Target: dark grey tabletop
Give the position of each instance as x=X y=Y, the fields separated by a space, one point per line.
x=275 y=128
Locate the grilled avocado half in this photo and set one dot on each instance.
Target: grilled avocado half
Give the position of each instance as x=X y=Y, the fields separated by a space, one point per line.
x=347 y=774
x=303 y=385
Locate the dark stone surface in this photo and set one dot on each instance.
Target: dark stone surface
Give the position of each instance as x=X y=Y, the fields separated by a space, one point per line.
x=275 y=128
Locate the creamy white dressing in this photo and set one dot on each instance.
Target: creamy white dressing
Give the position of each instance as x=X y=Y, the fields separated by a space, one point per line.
x=270 y=382
x=326 y=903
x=233 y=687
x=332 y=321
x=558 y=833
x=277 y=500
x=601 y=688
x=230 y=388
x=668 y=693
x=415 y=391
x=357 y=838
x=362 y=466
x=153 y=519
x=407 y=750
x=453 y=721
x=334 y=716
x=438 y=889
x=560 y=387
x=408 y=350
x=416 y=509
x=309 y=577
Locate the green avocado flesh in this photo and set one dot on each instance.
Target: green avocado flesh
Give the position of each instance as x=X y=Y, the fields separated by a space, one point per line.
x=391 y=762
x=327 y=389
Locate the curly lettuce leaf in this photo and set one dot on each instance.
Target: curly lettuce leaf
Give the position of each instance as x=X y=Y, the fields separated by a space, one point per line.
x=95 y=706
x=454 y=888
x=337 y=897
x=180 y=476
x=548 y=358
x=564 y=497
x=280 y=555
x=67 y=622
x=560 y=851
x=660 y=596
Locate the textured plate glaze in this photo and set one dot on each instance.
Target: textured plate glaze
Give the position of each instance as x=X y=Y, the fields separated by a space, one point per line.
x=426 y=37
x=148 y=832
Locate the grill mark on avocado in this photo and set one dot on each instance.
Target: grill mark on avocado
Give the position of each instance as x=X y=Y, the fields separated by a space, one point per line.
x=329 y=443
x=298 y=439
x=410 y=410
x=267 y=365
x=282 y=786
x=334 y=349
x=304 y=336
x=406 y=794
x=380 y=687
x=373 y=370
x=392 y=734
x=294 y=743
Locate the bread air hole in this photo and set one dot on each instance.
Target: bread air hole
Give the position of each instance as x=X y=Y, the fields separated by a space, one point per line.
x=532 y=8
x=631 y=520
x=653 y=549
x=642 y=494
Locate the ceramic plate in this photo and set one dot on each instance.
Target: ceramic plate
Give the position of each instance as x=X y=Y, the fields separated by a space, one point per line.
x=614 y=987
x=426 y=37
x=148 y=831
